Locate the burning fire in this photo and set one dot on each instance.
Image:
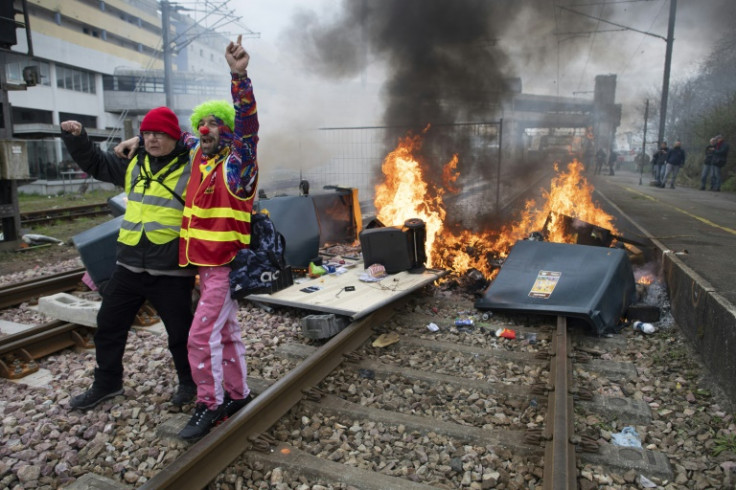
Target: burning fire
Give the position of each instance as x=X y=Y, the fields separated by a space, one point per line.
x=645 y=280
x=408 y=193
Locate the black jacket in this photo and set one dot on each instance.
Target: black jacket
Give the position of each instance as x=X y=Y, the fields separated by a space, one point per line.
x=709 y=155
x=660 y=156
x=676 y=156
x=108 y=167
x=720 y=154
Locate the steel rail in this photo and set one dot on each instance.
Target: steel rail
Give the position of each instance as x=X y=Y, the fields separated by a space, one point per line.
x=19 y=351
x=213 y=453
x=15 y=294
x=560 y=466
x=64 y=213
x=40 y=340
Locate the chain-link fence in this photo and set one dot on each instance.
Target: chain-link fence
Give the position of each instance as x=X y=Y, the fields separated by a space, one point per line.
x=353 y=157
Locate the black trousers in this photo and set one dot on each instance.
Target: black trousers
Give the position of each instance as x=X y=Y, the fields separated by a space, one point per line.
x=122 y=298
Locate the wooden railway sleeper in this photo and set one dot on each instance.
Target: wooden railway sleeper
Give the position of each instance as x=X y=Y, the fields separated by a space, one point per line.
x=313 y=394
x=352 y=356
x=582 y=357
x=536 y=437
x=582 y=394
x=543 y=356
x=593 y=352
x=263 y=442
x=17 y=364
x=146 y=316
x=83 y=338
x=585 y=444
x=542 y=389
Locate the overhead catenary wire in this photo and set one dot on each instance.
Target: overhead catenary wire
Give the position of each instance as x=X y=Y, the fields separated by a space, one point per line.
x=225 y=17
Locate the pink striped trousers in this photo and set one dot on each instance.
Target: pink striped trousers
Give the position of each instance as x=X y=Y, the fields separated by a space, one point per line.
x=216 y=349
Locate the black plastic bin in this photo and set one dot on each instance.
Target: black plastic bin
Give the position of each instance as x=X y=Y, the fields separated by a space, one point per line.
x=595 y=284
x=98 y=249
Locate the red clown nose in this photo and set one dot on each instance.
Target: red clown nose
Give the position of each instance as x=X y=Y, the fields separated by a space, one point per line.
x=204 y=130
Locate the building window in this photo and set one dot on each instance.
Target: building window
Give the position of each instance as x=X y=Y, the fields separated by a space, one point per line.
x=74 y=79
x=44 y=70
x=14 y=71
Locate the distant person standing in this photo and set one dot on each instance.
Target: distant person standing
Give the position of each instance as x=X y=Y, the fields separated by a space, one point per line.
x=600 y=160
x=588 y=154
x=674 y=161
x=612 y=158
x=658 y=162
x=641 y=161
x=720 y=156
x=708 y=165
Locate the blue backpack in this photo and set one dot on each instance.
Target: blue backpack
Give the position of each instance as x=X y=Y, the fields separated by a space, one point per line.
x=260 y=269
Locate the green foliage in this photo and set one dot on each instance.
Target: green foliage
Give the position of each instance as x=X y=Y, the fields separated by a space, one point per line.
x=37 y=202
x=726 y=442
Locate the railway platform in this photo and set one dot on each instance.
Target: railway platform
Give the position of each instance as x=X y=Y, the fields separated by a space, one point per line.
x=693 y=238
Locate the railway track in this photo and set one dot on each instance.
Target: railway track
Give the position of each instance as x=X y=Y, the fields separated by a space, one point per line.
x=458 y=407
x=446 y=409
x=45 y=216
x=31 y=290
x=19 y=352
x=475 y=412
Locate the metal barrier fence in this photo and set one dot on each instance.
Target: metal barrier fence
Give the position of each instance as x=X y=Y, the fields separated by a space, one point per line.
x=354 y=155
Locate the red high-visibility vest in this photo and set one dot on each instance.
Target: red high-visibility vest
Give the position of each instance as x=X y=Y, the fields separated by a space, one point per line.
x=216 y=222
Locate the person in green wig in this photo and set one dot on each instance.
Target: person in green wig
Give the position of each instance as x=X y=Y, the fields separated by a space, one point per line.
x=215 y=226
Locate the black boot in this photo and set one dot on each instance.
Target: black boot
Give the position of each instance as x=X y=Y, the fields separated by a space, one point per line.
x=201 y=422
x=186 y=393
x=231 y=406
x=93 y=397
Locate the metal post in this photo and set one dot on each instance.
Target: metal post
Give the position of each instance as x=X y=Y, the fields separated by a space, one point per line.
x=168 y=74
x=9 y=215
x=498 y=167
x=667 y=63
x=6 y=132
x=644 y=140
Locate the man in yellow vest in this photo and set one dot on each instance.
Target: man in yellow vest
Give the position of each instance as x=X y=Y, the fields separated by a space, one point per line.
x=147 y=268
x=215 y=226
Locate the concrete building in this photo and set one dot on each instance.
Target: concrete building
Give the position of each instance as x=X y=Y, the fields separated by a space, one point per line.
x=101 y=62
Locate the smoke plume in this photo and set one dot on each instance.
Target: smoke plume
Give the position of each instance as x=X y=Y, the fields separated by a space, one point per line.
x=444 y=64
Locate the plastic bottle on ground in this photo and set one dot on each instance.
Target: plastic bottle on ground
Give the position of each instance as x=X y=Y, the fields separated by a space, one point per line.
x=644 y=327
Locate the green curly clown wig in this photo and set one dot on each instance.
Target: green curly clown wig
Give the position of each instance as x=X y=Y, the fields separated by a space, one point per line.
x=221 y=109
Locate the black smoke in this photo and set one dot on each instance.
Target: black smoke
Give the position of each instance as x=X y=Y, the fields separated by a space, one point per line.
x=448 y=61
x=444 y=63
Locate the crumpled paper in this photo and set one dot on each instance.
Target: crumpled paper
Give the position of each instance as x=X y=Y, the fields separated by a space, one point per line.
x=628 y=437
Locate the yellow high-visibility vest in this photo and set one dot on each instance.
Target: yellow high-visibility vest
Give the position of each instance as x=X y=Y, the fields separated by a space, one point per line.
x=155 y=201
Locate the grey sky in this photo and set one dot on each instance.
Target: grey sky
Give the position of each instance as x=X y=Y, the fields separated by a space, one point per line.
x=294 y=95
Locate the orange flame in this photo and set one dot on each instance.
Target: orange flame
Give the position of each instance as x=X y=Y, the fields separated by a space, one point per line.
x=407 y=193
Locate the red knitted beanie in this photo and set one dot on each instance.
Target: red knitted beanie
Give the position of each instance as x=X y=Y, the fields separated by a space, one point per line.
x=163 y=120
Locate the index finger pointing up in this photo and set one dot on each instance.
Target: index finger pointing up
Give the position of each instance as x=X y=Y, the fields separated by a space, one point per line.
x=240 y=38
